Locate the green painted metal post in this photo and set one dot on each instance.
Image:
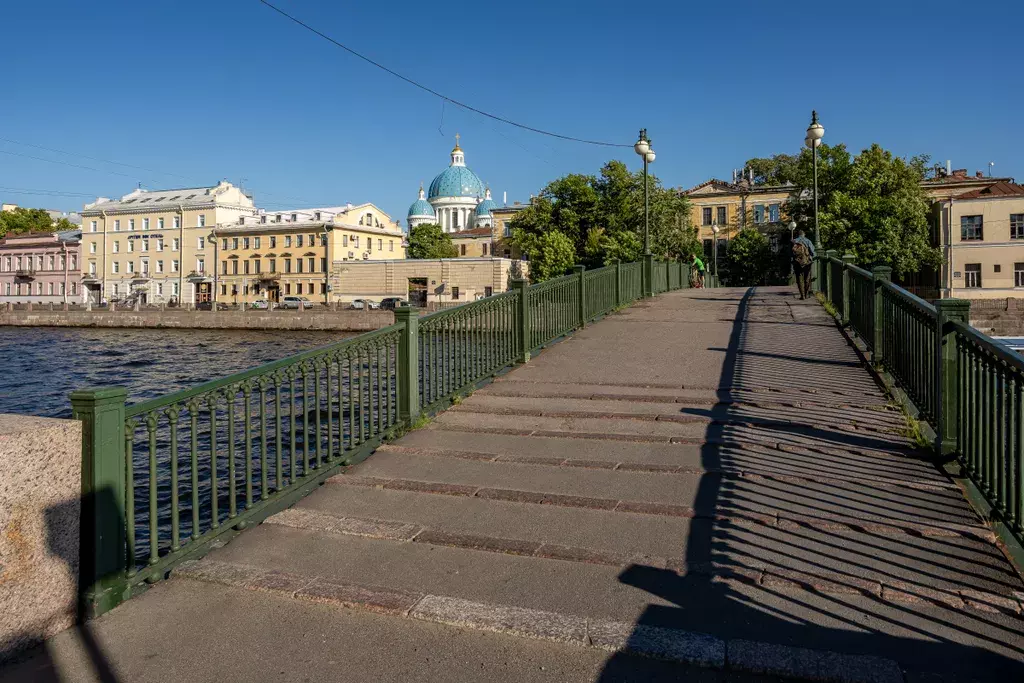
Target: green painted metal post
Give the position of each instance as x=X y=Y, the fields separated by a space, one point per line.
x=829 y=255
x=618 y=283
x=848 y=260
x=523 y=319
x=879 y=276
x=816 y=273
x=581 y=292
x=103 y=551
x=408 y=364
x=948 y=311
x=648 y=275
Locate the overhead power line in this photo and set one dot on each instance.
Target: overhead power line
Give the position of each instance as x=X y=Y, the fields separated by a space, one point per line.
x=434 y=92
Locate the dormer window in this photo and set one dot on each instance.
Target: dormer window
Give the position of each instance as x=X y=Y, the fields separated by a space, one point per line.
x=295 y=217
x=316 y=216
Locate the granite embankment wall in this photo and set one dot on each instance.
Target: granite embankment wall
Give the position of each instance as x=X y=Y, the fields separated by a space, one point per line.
x=998 y=317
x=342 y=321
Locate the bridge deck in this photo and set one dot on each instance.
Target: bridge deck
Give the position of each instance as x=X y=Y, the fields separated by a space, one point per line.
x=710 y=476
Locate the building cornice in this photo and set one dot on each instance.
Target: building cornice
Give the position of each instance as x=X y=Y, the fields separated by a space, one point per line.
x=169 y=208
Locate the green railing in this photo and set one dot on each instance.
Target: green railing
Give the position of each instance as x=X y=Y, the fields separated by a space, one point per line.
x=163 y=479
x=966 y=386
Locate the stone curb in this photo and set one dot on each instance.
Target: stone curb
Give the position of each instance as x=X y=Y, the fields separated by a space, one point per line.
x=771 y=577
x=611 y=636
x=780 y=520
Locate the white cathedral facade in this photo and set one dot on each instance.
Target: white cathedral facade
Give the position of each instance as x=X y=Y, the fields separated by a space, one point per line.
x=457 y=199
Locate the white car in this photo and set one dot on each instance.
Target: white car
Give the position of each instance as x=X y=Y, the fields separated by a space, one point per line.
x=293 y=302
x=360 y=304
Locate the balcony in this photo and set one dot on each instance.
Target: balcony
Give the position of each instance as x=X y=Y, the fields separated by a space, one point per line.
x=140 y=278
x=25 y=273
x=273 y=276
x=199 y=276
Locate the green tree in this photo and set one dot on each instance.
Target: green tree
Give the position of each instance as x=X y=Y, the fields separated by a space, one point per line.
x=872 y=206
x=602 y=217
x=551 y=253
x=748 y=259
x=777 y=169
x=428 y=240
x=22 y=220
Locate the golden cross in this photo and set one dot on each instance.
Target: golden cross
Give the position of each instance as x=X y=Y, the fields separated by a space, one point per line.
x=456 y=139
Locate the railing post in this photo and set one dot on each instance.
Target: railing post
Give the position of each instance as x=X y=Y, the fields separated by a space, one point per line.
x=523 y=319
x=947 y=312
x=879 y=276
x=816 y=273
x=648 y=275
x=581 y=292
x=102 y=540
x=408 y=364
x=618 y=283
x=848 y=260
x=829 y=255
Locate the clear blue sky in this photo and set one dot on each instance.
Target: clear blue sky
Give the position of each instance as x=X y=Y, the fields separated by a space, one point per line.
x=201 y=91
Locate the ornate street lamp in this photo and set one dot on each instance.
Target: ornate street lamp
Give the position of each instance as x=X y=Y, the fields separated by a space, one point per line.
x=715 y=229
x=815 y=132
x=643 y=148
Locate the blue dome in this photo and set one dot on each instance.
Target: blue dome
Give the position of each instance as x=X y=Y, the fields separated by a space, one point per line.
x=485 y=207
x=456 y=181
x=421 y=207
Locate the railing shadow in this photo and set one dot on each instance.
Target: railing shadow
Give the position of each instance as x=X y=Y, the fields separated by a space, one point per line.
x=35 y=661
x=817 y=582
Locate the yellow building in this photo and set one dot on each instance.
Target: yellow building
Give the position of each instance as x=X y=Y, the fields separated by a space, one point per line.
x=423 y=281
x=153 y=245
x=733 y=206
x=981 y=234
x=290 y=253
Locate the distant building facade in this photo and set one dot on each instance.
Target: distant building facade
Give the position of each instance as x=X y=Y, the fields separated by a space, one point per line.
x=457 y=199
x=422 y=281
x=41 y=267
x=291 y=253
x=734 y=206
x=154 y=246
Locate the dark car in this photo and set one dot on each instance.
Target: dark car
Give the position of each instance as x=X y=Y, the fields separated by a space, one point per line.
x=208 y=306
x=392 y=302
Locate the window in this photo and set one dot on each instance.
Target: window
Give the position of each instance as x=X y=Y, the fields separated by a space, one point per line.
x=485 y=248
x=145 y=245
x=355 y=241
x=74 y=288
x=508 y=228
x=224 y=244
x=298 y=288
x=1018 y=274
x=117 y=226
x=298 y=265
x=298 y=240
x=175 y=289
x=200 y=243
x=256 y=266
x=145 y=224
x=174 y=244
x=263 y=219
x=245 y=267
x=159 y=266
x=323 y=288
x=970 y=228
x=63 y=291
x=92 y=226
x=92 y=267
x=287 y=240
x=160 y=288
x=287 y=265
x=1017 y=226
x=997 y=268
x=7 y=263
x=255 y=242
x=49 y=288
x=174 y=266
x=287 y=285
x=391 y=245
x=488 y=291
x=455 y=293
x=131 y=245
x=706 y=218
x=273 y=265
x=131 y=223
x=773 y=213
x=759 y=213
x=234 y=243
x=7 y=291
x=344 y=240
x=131 y=267
x=177 y=221
x=92 y=247
x=74 y=262
x=224 y=290
x=52 y=262
x=160 y=244
x=323 y=265
x=972 y=275
x=160 y=223
x=720 y=218
x=245 y=242
x=380 y=245
x=369 y=244
x=462 y=249
x=202 y=220
x=145 y=267
x=200 y=265
x=234 y=267
x=323 y=239
x=117 y=246
x=273 y=242
x=223 y=267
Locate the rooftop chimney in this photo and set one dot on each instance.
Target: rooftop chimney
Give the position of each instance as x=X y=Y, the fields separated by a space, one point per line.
x=949 y=167
x=979 y=174
x=960 y=173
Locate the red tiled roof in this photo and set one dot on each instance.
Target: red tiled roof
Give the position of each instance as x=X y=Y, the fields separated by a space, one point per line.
x=1001 y=189
x=472 y=232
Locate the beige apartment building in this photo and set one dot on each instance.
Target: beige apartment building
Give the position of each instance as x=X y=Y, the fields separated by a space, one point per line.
x=290 y=253
x=733 y=206
x=981 y=234
x=154 y=246
x=422 y=281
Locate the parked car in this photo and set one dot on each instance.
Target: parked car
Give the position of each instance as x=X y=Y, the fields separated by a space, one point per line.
x=393 y=302
x=293 y=302
x=208 y=306
x=261 y=305
x=360 y=304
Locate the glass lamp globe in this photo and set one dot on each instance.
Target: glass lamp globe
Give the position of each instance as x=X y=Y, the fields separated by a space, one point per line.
x=641 y=147
x=650 y=156
x=816 y=131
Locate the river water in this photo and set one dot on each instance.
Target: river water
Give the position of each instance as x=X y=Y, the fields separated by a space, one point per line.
x=40 y=366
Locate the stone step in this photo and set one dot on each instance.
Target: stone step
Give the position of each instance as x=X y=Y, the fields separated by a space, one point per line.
x=663 y=598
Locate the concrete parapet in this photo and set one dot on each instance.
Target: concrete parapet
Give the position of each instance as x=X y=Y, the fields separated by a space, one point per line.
x=40 y=490
x=314 y=319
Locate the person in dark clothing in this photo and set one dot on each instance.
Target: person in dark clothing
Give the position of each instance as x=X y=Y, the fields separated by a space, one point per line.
x=803 y=258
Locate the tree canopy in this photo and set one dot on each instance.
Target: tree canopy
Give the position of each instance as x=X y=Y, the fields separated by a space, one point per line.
x=551 y=253
x=748 y=259
x=429 y=240
x=601 y=218
x=777 y=169
x=23 y=220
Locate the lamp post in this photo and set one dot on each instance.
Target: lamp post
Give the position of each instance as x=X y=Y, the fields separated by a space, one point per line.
x=715 y=229
x=792 y=236
x=815 y=132
x=643 y=148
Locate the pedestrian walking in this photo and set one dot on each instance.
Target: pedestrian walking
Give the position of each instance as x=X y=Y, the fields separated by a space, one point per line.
x=803 y=257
